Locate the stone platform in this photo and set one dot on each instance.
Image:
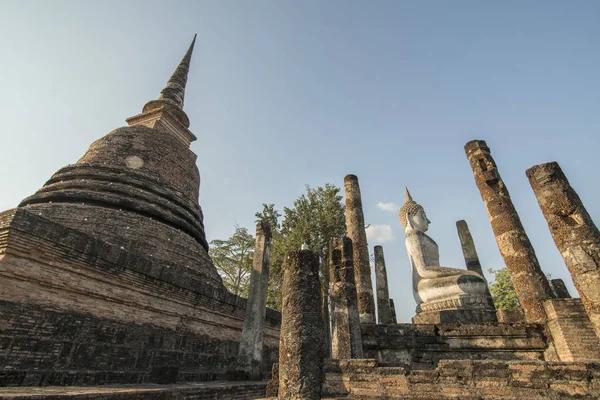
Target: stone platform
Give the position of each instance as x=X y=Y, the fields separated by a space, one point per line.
x=423 y=346
x=197 y=391
x=450 y=316
x=463 y=379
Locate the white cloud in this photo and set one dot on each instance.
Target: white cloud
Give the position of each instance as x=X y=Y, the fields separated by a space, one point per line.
x=379 y=234
x=389 y=207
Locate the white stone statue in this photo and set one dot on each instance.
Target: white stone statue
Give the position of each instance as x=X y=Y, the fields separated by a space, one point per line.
x=438 y=288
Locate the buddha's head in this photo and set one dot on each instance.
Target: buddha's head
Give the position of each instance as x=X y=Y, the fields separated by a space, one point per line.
x=412 y=215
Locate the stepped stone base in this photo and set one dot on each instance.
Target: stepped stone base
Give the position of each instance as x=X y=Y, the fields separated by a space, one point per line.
x=510 y=315
x=574 y=335
x=424 y=346
x=463 y=379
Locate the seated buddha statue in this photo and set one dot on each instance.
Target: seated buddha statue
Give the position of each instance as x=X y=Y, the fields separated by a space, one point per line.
x=442 y=294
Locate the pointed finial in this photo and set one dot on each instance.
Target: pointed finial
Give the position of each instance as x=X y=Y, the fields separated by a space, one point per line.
x=409 y=207
x=174 y=91
x=407 y=195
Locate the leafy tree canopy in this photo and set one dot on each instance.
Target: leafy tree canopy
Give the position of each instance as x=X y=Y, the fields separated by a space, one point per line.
x=315 y=217
x=502 y=289
x=233 y=259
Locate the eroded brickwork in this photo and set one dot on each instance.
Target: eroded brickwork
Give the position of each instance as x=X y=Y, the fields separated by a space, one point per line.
x=424 y=346
x=573 y=231
x=302 y=340
x=251 y=346
x=573 y=333
x=560 y=289
x=345 y=322
x=393 y=311
x=105 y=269
x=463 y=379
x=355 y=230
x=531 y=285
x=67 y=295
x=470 y=254
x=384 y=312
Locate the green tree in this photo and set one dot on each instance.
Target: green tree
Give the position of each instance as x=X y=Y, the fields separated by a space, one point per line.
x=315 y=217
x=233 y=259
x=270 y=214
x=502 y=289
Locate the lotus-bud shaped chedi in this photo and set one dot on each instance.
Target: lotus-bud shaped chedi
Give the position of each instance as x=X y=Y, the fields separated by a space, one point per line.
x=443 y=294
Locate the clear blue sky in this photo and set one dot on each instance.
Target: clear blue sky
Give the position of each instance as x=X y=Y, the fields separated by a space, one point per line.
x=283 y=94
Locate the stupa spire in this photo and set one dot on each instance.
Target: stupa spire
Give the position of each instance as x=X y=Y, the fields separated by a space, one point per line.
x=166 y=113
x=174 y=91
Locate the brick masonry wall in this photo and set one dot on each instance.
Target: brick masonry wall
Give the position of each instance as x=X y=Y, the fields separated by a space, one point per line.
x=172 y=162
x=423 y=346
x=161 y=184
x=464 y=379
x=572 y=330
x=82 y=311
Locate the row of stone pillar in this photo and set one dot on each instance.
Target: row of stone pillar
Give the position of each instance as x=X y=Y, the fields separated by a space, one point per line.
x=302 y=345
x=572 y=229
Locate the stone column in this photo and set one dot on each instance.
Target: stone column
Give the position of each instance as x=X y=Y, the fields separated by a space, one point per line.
x=573 y=231
x=326 y=320
x=346 y=340
x=251 y=345
x=393 y=311
x=355 y=229
x=531 y=286
x=468 y=247
x=559 y=289
x=384 y=311
x=302 y=337
x=470 y=254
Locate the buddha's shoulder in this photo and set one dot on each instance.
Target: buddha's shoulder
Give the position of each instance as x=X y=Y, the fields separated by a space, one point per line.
x=414 y=236
x=418 y=236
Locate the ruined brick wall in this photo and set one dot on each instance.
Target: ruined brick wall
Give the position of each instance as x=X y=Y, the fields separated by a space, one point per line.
x=572 y=330
x=423 y=346
x=43 y=347
x=166 y=245
x=464 y=379
x=77 y=310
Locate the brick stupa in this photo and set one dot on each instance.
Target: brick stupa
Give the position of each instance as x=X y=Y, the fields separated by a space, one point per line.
x=106 y=273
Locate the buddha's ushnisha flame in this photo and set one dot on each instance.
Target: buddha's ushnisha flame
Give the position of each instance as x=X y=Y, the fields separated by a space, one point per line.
x=409 y=207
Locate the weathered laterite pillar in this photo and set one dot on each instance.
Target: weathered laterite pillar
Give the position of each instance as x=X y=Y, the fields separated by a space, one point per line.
x=559 y=289
x=302 y=337
x=251 y=345
x=384 y=311
x=355 y=229
x=470 y=253
x=346 y=340
x=393 y=311
x=573 y=231
x=531 y=286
